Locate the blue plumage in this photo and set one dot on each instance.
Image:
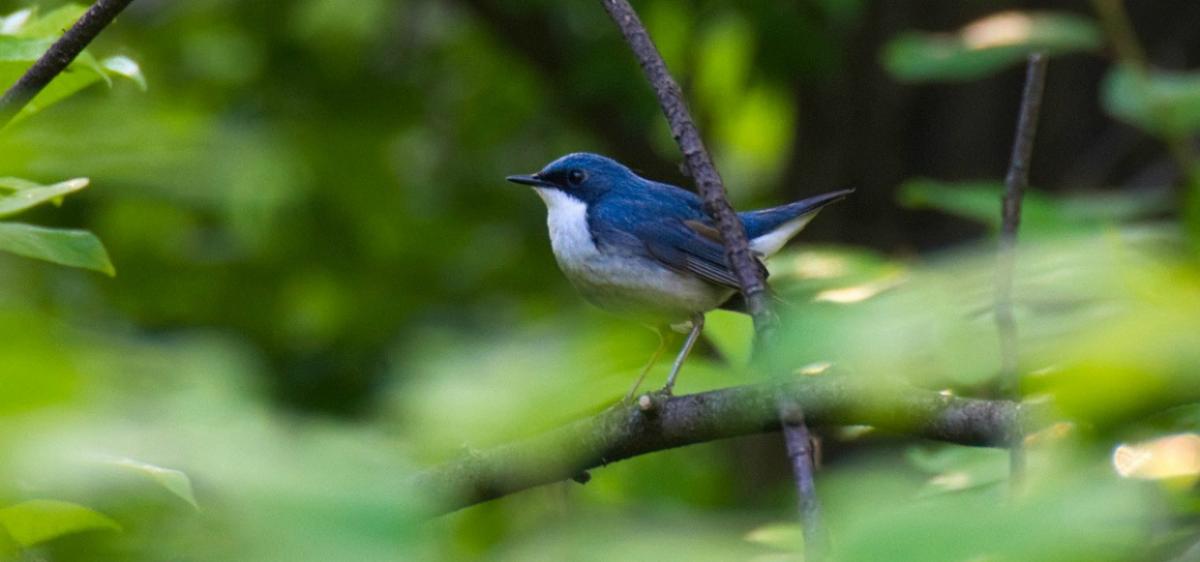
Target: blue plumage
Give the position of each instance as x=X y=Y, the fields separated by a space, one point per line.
x=639 y=218
x=646 y=248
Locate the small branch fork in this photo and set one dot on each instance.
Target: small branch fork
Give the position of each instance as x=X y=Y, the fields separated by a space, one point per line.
x=1015 y=183
x=59 y=56
x=737 y=246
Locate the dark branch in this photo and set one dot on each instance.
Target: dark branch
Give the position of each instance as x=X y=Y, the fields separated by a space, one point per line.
x=800 y=448
x=699 y=163
x=626 y=431
x=59 y=56
x=733 y=234
x=1015 y=183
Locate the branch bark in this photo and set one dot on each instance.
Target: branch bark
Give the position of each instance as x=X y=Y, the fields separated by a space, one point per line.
x=699 y=163
x=750 y=276
x=59 y=56
x=1015 y=183
x=801 y=451
x=625 y=431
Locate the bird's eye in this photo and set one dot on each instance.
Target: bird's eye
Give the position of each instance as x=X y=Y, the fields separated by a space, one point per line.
x=576 y=177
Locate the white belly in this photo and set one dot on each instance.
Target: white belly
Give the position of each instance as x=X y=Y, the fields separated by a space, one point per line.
x=622 y=283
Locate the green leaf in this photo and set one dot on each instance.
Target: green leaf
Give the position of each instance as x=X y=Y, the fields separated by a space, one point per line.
x=974 y=200
x=127 y=67
x=987 y=45
x=17 y=55
x=37 y=521
x=75 y=248
x=33 y=196
x=22 y=49
x=54 y=23
x=174 y=481
x=1160 y=102
x=980 y=201
x=17 y=184
x=33 y=37
x=9 y=549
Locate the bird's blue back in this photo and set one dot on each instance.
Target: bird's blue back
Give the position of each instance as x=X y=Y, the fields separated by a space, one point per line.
x=636 y=200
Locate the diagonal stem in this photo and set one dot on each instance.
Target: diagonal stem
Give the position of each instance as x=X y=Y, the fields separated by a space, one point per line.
x=699 y=163
x=750 y=277
x=58 y=57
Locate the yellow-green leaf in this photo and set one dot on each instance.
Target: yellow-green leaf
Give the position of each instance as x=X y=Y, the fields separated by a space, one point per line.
x=37 y=521
x=54 y=23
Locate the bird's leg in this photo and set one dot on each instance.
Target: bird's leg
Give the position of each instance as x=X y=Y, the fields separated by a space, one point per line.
x=662 y=344
x=697 y=326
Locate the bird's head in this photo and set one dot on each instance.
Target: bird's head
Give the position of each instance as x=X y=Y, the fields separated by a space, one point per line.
x=582 y=175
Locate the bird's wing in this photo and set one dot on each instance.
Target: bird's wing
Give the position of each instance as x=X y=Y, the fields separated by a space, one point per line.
x=689 y=246
x=672 y=230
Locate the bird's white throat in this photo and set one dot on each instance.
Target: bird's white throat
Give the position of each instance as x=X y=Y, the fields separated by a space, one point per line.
x=620 y=281
x=569 y=233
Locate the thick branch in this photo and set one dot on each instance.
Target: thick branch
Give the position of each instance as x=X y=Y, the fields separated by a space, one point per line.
x=625 y=431
x=699 y=163
x=59 y=56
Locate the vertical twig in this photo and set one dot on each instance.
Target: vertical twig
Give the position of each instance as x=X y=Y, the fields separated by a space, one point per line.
x=1015 y=183
x=58 y=56
x=737 y=246
x=802 y=455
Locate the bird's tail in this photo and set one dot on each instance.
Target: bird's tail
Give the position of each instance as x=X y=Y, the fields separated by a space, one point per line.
x=769 y=229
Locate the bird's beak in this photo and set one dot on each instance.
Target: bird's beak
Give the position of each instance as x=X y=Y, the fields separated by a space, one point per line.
x=533 y=180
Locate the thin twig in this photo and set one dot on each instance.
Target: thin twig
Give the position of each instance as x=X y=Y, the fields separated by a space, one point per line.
x=58 y=57
x=733 y=233
x=801 y=452
x=625 y=431
x=699 y=163
x=1015 y=183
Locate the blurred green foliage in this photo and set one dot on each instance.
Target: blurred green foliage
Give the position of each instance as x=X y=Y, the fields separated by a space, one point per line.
x=987 y=45
x=325 y=285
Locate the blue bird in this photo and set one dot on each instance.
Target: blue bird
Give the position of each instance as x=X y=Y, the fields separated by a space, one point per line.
x=646 y=249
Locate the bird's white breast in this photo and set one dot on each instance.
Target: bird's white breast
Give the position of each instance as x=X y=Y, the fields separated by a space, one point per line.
x=570 y=236
x=622 y=282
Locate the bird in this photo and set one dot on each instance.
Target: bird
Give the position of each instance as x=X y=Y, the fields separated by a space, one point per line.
x=646 y=249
